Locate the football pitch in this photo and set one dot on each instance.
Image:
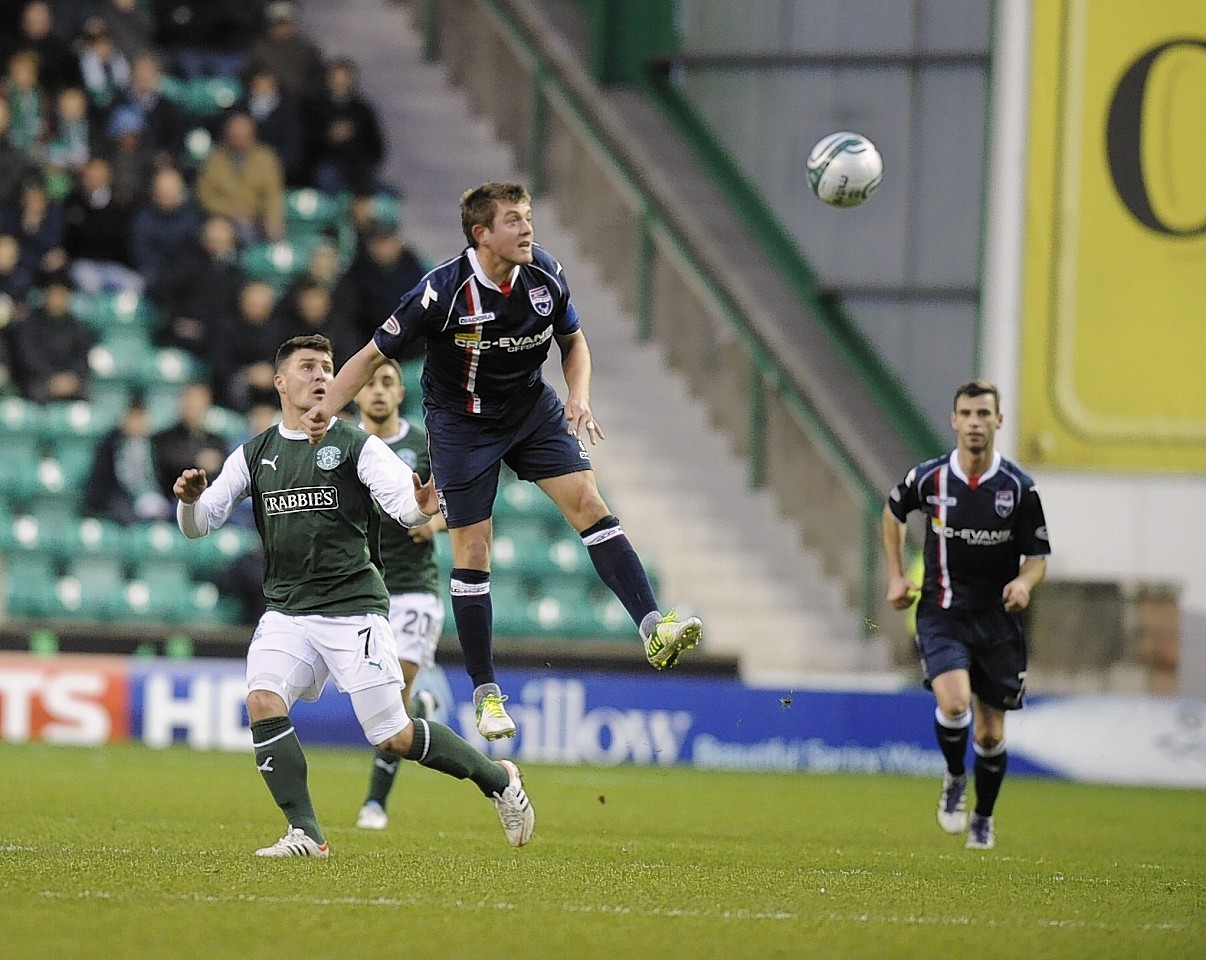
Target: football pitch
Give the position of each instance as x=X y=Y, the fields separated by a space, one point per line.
x=132 y=852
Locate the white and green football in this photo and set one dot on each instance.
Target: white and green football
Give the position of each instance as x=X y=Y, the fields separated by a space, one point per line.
x=844 y=169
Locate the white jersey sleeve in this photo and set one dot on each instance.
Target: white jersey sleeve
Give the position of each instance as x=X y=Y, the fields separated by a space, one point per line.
x=389 y=481
x=218 y=501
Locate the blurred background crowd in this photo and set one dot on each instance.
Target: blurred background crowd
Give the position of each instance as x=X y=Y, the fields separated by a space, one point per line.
x=183 y=185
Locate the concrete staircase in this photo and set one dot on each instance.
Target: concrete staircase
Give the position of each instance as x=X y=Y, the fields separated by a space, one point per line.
x=722 y=550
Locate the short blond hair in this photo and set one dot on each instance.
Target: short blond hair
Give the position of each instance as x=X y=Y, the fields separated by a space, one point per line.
x=479 y=205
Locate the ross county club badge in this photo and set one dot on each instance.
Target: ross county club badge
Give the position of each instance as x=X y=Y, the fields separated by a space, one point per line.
x=327 y=458
x=1004 y=503
x=542 y=300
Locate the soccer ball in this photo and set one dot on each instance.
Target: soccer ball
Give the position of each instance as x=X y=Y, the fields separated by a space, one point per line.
x=844 y=169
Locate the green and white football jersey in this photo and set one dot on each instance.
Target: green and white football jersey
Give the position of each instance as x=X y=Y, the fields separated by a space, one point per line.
x=315 y=512
x=409 y=567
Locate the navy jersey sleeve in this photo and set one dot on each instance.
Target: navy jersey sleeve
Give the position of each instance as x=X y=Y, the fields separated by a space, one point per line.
x=903 y=498
x=1032 y=525
x=409 y=321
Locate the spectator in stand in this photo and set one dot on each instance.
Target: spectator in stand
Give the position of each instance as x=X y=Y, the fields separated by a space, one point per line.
x=242 y=180
x=163 y=228
x=130 y=25
x=346 y=143
x=97 y=235
x=324 y=266
x=307 y=309
x=199 y=291
x=57 y=63
x=188 y=442
x=37 y=223
x=288 y=53
x=15 y=278
x=384 y=266
x=50 y=346
x=15 y=164
x=165 y=123
x=105 y=68
x=277 y=121
x=14 y=287
x=206 y=38
x=242 y=375
x=130 y=155
x=123 y=485
x=325 y=269
x=28 y=113
x=71 y=138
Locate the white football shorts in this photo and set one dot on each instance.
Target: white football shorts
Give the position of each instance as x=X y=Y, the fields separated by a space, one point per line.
x=418 y=621
x=293 y=656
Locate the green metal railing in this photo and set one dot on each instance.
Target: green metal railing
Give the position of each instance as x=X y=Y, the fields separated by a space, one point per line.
x=765 y=372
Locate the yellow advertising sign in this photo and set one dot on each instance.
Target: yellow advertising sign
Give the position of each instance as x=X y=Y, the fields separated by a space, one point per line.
x=1113 y=352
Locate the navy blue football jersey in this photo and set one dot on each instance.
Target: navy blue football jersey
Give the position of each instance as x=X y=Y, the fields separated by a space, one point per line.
x=977 y=532
x=485 y=345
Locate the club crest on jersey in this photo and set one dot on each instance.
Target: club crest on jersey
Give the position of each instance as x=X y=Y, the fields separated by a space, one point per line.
x=408 y=457
x=542 y=300
x=327 y=458
x=1004 y=503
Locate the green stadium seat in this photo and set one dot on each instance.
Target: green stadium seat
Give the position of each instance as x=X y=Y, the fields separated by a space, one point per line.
x=137 y=601
x=523 y=503
x=75 y=456
x=160 y=573
x=309 y=212
x=45 y=528
x=217 y=550
x=412 y=374
x=198 y=145
x=277 y=263
x=386 y=208
x=19 y=417
x=170 y=365
x=106 y=312
x=142 y=541
x=91 y=537
x=203 y=96
x=126 y=358
x=110 y=398
x=29 y=586
x=76 y=418
x=19 y=468
x=565 y=609
x=527 y=552
x=91 y=599
x=96 y=572
x=203 y=604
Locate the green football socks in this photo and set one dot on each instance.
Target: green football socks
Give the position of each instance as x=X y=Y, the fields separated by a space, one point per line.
x=281 y=762
x=437 y=747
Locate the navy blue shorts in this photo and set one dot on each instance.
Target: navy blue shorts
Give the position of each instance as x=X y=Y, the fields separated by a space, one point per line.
x=466 y=453
x=989 y=644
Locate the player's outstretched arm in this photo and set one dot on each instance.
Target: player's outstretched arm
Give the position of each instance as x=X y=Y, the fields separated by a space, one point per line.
x=190 y=485
x=352 y=376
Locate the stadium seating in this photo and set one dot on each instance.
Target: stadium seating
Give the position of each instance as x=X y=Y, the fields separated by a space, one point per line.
x=309 y=212
x=278 y=263
x=201 y=97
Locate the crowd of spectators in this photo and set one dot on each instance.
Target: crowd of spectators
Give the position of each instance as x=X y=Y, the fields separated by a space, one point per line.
x=110 y=184
x=114 y=184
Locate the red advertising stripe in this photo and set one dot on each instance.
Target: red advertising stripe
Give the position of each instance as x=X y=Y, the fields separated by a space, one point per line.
x=77 y=700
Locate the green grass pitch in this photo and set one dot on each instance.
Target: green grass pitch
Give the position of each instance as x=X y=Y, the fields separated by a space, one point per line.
x=128 y=852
